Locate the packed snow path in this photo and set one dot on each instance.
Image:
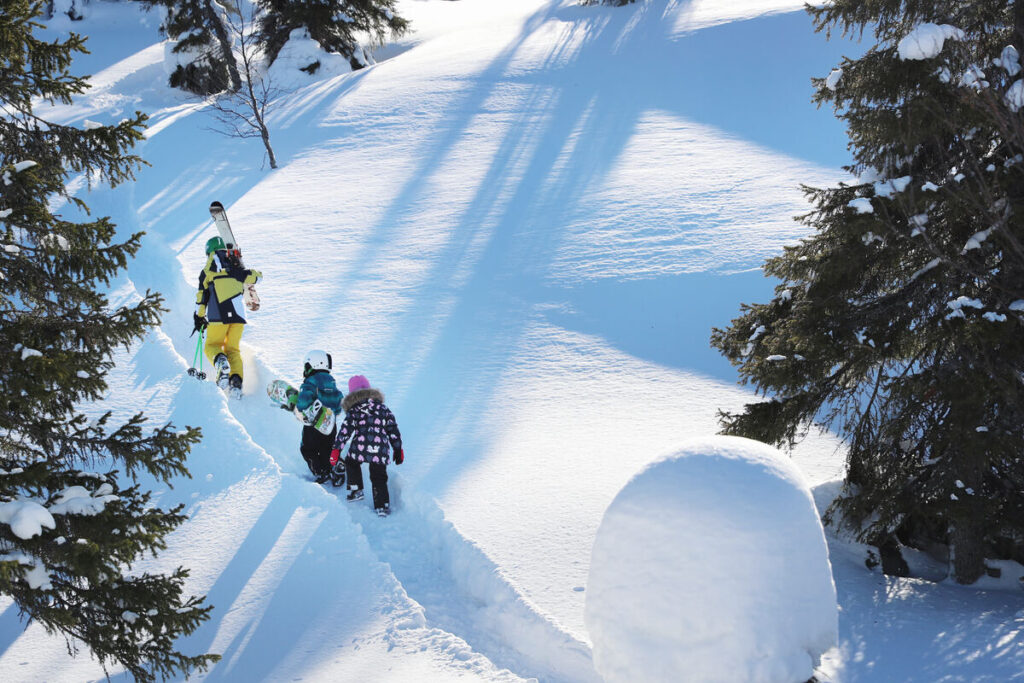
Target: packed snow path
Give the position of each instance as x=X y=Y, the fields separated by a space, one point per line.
x=463 y=593
x=460 y=590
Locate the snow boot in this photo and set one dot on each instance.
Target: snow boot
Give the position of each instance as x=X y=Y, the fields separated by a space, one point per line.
x=220 y=362
x=322 y=477
x=383 y=511
x=354 y=495
x=338 y=475
x=235 y=386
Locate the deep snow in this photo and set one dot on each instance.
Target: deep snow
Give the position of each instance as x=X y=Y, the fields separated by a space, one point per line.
x=711 y=565
x=521 y=224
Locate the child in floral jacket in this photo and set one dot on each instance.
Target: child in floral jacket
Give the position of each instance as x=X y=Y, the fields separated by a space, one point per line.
x=371 y=427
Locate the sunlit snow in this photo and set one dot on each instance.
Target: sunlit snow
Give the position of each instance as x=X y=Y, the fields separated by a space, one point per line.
x=520 y=223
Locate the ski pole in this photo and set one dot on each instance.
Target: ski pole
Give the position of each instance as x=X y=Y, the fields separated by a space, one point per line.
x=199 y=346
x=198 y=356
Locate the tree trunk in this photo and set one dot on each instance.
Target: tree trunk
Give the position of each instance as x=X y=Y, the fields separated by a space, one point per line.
x=225 y=45
x=265 y=134
x=257 y=112
x=893 y=563
x=857 y=470
x=967 y=548
x=1018 y=22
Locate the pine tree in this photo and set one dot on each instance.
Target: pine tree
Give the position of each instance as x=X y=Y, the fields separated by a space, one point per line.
x=334 y=24
x=203 y=29
x=69 y=534
x=897 y=323
x=203 y=37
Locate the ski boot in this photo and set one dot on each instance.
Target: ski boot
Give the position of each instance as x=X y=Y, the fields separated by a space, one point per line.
x=223 y=371
x=322 y=477
x=383 y=511
x=235 y=386
x=338 y=475
x=354 y=495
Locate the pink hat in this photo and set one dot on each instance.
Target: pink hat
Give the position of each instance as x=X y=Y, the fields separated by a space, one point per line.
x=357 y=382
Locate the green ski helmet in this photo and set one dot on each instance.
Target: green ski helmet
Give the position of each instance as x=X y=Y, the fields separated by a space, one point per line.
x=214 y=244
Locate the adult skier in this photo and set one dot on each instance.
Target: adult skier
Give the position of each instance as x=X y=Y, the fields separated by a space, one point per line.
x=371 y=427
x=221 y=284
x=318 y=385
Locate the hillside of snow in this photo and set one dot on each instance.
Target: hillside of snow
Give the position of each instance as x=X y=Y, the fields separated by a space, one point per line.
x=520 y=224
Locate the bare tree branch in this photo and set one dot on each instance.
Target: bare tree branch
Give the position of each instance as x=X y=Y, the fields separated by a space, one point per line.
x=242 y=113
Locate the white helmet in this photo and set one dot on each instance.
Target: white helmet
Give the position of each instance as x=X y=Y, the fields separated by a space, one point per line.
x=317 y=360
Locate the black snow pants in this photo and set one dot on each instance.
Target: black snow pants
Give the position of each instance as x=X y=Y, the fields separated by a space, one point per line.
x=378 y=480
x=316 y=450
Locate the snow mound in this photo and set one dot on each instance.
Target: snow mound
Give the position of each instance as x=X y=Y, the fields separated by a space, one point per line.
x=27 y=518
x=711 y=565
x=302 y=58
x=832 y=81
x=861 y=205
x=926 y=41
x=1015 y=96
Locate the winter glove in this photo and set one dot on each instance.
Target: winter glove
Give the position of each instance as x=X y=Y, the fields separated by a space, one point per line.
x=335 y=456
x=399 y=456
x=199 y=323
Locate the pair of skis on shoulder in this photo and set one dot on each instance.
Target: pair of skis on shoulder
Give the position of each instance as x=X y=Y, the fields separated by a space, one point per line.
x=220 y=219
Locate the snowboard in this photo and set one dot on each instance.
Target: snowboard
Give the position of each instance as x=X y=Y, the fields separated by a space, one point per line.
x=220 y=219
x=316 y=415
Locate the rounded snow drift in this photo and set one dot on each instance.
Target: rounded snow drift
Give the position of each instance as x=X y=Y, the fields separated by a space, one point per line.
x=711 y=565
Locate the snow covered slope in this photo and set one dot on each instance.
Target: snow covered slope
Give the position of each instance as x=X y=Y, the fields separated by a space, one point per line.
x=521 y=225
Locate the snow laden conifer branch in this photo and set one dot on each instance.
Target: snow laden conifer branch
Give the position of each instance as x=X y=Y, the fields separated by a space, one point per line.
x=202 y=43
x=335 y=25
x=903 y=303
x=70 y=536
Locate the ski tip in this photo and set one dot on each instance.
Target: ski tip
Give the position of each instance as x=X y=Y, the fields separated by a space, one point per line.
x=216 y=206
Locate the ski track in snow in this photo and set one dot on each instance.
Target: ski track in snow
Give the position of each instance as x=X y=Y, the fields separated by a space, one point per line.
x=460 y=589
x=463 y=592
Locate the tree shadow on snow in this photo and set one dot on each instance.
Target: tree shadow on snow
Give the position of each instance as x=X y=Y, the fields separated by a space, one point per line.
x=580 y=109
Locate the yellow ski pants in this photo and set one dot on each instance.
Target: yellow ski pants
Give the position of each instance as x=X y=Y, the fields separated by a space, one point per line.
x=224 y=338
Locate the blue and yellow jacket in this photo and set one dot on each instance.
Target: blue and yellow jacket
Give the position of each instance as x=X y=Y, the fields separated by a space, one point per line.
x=319 y=385
x=221 y=284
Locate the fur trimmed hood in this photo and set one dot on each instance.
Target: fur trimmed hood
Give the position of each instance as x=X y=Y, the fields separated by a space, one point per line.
x=361 y=396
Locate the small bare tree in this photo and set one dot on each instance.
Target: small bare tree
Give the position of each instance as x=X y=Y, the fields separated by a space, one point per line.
x=242 y=112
